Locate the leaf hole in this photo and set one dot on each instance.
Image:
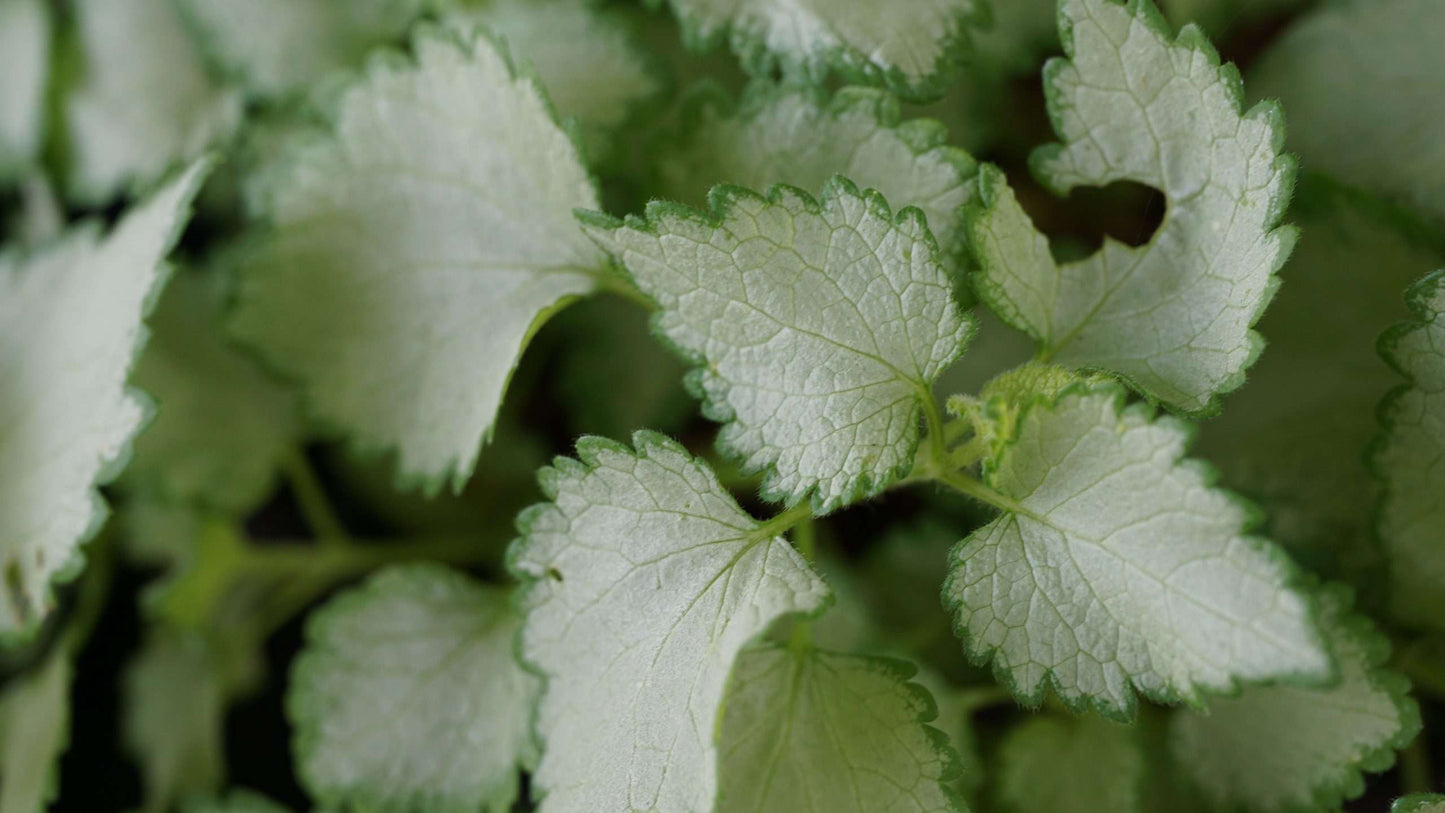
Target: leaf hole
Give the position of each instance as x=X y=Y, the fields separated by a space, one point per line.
x=1127 y=212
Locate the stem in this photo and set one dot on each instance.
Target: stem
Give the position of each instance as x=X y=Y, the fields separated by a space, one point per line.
x=805 y=538
x=315 y=507
x=938 y=449
x=617 y=285
x=42 y=219
x=784 y=522
x=1415 y=766
x=1417 y=662
x=977 y=490
x=968 y=454
x=308 y=572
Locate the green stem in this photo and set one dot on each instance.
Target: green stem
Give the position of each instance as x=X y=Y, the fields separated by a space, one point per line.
x=1418 y=661
x=784 y=522
x=325 y=525
x=805 y=538
x=933 y=418
x=340 y=560
x=977 y=490
x=968 y=454
x=42 y=219
x=1415 y=766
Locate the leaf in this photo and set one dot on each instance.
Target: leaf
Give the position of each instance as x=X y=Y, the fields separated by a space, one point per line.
x=278 y=47
x=1419 y=803
x=436 y=224
x=911 y=46
x=1284 y=748
x=818 y=327
x=584 y=57
x=1022 y=32
x=1293 y=439
x=1116 y=566
x=1327 y=71
x=1410 y=458
x=407 y=697
x=237 y=801
x=24 y=62
x=1173 y=317
x=34 y=731
x=1069 y=765
x=175 y=702
x=224 y=425
x=907 y=555
x=70 y=328
x=144 y=101
x=159 y=535
x=803 y=139
x=956 y=707
x=642 y=581
x=808 y=730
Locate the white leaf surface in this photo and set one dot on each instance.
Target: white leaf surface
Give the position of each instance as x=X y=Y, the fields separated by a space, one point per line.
x=1287 y=748
x=436 y=224
x=70 y=328
x=818 y=327
x=820 y=732
x=1411 y=459
x=799 y=138
x=1116 y=567
x=911 y=45
x=279 y=47
x=1174 y=317
x=1292 y=439
x=585 y=58
x=643 y=582
x=25 y=64
x=237 y=801
x=145 y=101
x=1328 y=70
x=175 y=699
x=407 y=696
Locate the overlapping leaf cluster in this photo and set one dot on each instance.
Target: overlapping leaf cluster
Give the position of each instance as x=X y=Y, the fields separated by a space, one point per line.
x=423 y=244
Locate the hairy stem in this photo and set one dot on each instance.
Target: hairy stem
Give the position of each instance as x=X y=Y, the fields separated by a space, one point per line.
x=977 y=490
x=1415 y=766
x=937 y=439
x=325 y=525
x=1418 y=661
x=784 y=522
